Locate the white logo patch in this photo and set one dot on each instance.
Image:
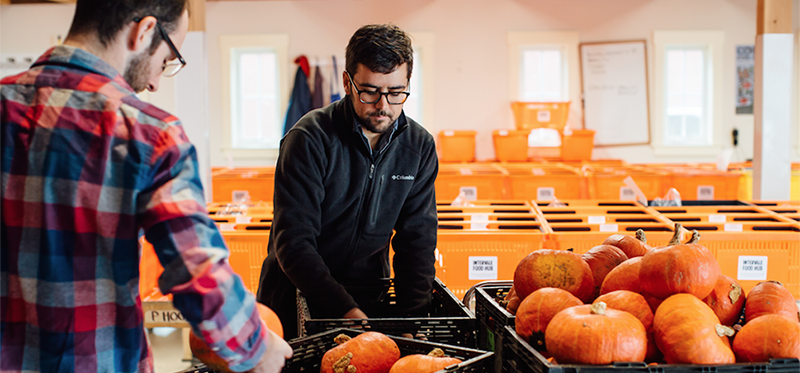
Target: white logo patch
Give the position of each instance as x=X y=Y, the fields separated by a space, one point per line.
x=403 y=177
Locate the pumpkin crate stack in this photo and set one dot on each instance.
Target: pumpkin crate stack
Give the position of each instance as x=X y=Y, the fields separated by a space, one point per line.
x=626 y=305
x=449 y=320
x=476 y=180
x=485 y=241
x=544 y=181
x=228 y=183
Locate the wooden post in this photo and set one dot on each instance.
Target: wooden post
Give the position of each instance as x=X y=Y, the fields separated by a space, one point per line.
x=197 y=15
x=772 y=101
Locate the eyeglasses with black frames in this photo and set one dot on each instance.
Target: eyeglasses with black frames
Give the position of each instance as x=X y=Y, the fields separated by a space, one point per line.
x=171 y=67
x=372 y=97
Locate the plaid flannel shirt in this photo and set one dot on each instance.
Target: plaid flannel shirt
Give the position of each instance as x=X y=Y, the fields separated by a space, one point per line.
x=85 y=166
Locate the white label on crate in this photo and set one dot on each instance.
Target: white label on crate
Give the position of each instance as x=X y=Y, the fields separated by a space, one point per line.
x=543 y=115
x=227 y=227
x=244 y=219
x=609 y=228
x=465 y=171
x=733 y=227
x=470 y=192
x=449 y=133
x=752 y=268
x=164 y=317
x=240 y=196
x=627 y=194
x=538 y=172
x=717 y=218
x=597 y=220
x=479 y=226
x=545 y=194
x=479 y=217
x=705 y=192
x=483 y=268
x=502 y=132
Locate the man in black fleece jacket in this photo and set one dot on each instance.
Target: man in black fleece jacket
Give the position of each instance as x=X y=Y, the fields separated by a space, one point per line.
x=348 y=176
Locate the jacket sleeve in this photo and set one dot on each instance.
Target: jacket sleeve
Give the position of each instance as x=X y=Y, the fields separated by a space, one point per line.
x=414 y=241
x=296 y=223
x=205 y=289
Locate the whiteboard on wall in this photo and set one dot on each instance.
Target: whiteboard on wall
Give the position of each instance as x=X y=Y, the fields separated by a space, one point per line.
x=615 y=92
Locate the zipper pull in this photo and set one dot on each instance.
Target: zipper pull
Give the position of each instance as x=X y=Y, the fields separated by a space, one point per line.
x=371 y=170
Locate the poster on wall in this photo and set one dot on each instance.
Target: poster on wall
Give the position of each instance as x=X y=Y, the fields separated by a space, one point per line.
x=745 y=78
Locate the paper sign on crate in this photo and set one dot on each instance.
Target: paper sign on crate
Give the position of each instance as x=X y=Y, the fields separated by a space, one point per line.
x=164 y=317
x=483 y=268
x=545 y=193
x=470 y=192
x=705 y=192
x=752 y=268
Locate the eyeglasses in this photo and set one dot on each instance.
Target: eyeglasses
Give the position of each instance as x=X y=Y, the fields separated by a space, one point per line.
x=171 y=67
x=372 y=97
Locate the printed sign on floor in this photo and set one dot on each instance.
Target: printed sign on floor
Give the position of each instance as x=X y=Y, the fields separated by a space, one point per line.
x=483 y=268
x=752 y=268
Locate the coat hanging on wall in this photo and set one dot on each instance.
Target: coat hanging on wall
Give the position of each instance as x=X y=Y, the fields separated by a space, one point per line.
x=317 y=98
x=335 y=96
x=300 y=101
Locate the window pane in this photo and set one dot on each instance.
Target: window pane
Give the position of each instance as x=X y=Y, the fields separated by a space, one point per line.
x=413 y=106
x=248 y=74
x=542 y=77
x=249 y=124
x=685 y=100
x=269 y=76
x=269 y=119
x=256 y=122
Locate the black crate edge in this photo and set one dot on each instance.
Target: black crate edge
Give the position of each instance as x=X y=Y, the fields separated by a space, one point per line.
x=458 y=329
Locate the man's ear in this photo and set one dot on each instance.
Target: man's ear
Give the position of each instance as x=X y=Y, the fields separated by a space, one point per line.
x=346 y=82
x=141 y=34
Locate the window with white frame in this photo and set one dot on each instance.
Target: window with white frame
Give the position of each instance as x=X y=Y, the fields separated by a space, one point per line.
x=255 y=94
x=687 y=100
x=687 y=120
x=255 y=99
x=413 y=105
x=542 y=74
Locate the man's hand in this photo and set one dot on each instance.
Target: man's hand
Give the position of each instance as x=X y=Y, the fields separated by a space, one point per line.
x=355 y=313
x=275 y=357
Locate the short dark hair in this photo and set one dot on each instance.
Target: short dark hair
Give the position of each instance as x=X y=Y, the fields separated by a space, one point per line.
x=106 y=18
x=381 y=48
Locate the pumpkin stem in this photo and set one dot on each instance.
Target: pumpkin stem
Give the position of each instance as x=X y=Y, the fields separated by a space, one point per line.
x=735 y=293
x=598 y=308
x=640 y=236
x=436 y=352
x=772 y=281
x=724 y=330
x=351 y=369
x=676 y=238
x=695 y=237
x=341 y=339
x=343 y=364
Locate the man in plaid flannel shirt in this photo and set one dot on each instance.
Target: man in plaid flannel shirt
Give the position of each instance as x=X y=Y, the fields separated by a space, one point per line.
x=85 y=166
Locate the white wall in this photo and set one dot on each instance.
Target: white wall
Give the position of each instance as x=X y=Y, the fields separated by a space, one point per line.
x=471 y=81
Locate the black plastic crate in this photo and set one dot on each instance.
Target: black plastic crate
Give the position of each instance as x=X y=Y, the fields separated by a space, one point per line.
x=492 y=319
x=449 y=320
x=519 y=356
x=308 y=352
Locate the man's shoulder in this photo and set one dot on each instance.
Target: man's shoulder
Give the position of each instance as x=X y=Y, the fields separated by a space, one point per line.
x=417 y=135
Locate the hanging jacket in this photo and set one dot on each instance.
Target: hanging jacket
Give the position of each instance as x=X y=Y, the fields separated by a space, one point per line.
x=300 y=101
x=335 y=96
x=317 y=98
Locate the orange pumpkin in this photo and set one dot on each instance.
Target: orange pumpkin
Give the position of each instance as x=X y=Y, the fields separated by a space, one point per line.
x=767 y=337
x=636 y=305
x=770 y=297
x=679 y=268
x=652 y=301
x=430 y=363
x=727 y=300
x=513 y=300
x=688 y=332
x=592 y=334
x=369 y=352
x=602 y=259
x=623 y=277
x=556 y=269
x=538 y=309
x=632 y=247
x=202 y=351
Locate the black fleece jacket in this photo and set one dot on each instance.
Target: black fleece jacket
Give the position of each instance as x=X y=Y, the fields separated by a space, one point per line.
x=335 y=209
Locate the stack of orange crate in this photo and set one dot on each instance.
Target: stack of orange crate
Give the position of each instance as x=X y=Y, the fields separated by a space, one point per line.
x=485 y=241
x=476 y=180
x=702 y=183
x=544 y=181
x=605 y=182
x=259 y=182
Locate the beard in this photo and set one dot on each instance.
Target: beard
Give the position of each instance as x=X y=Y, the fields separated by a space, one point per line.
x=369 y=121
x=136 y=72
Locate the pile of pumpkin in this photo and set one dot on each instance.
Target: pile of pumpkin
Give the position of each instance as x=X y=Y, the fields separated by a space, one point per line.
x=624 y=301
